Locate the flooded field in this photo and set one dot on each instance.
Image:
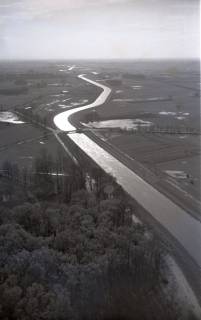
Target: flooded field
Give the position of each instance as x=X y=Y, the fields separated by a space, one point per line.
x=146 y=98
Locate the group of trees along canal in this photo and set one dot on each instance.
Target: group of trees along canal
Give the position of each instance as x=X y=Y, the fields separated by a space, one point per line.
x=79 y=257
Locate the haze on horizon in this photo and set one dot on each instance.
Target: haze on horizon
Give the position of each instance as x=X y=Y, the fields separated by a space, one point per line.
x=99 y=29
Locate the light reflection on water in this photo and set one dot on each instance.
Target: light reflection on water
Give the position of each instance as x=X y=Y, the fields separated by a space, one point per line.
x=180 y=224
x=62 y=119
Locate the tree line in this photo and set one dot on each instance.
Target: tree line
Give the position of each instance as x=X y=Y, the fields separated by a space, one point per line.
x=77 y=256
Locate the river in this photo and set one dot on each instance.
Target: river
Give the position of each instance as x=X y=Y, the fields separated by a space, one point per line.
x=185 y=228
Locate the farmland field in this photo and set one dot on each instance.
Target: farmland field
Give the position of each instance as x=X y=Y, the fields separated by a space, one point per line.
x=159 y=101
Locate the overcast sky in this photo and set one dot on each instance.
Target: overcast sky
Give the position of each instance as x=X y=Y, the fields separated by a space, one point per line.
x=74 y=29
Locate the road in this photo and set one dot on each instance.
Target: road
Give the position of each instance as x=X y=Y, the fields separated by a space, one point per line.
x=182 y=226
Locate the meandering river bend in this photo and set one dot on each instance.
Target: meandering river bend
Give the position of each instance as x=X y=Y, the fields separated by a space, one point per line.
x=185 y=228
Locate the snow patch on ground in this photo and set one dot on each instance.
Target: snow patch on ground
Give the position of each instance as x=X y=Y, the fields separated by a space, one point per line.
x=179 y=115
x=137 y=87
x=136 y=220
x=84 y=100
x=64 y=106
x=127 y=124
x=74 y=104
x=57 y=95
x=167 y=113
x=176 y=174
x=140 y=99
x=53 y=102
x=66 y=99
x=9 y=117
x=55 y=174
x=70 y=68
